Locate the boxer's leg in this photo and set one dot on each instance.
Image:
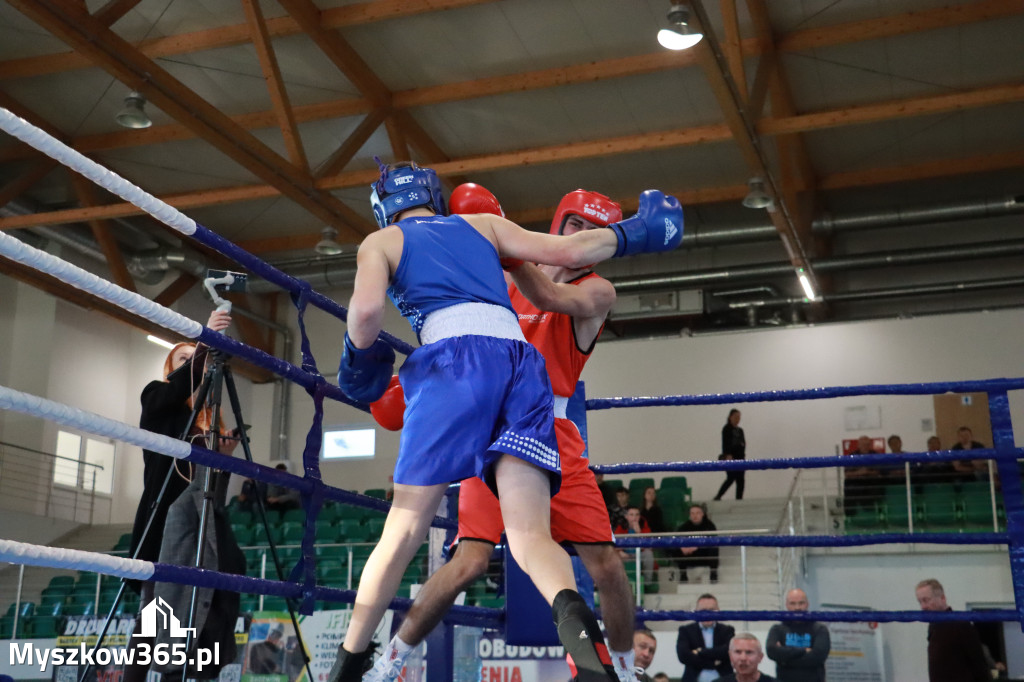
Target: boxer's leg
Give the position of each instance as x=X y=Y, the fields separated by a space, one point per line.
x=525 y=506
x=411 y=512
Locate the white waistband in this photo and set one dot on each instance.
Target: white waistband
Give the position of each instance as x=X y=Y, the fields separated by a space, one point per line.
x=476 y=319
x=561 y=405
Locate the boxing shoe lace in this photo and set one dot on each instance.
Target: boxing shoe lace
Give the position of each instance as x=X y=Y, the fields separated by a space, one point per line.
x=625 y=674
x=387 y=668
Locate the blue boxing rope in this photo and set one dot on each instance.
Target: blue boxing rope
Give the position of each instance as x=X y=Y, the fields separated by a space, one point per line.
x=986 y=616
x=676 y=540
x=826 y=462
x=982 y=386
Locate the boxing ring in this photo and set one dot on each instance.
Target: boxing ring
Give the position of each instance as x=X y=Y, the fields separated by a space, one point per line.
x=303 y=585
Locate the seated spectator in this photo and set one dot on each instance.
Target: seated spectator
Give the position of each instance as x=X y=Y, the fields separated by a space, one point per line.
x=651 y=510
x=698 y=556
x=932 y=472
x=280 y=498
x=635 y=525
x=617 y=511
x=969 y=469
x=896 y=473
x=247 y=496
x=862 y=485
x=606 y=490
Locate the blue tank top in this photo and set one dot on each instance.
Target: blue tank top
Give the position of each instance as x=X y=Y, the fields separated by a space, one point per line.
x=445 y=261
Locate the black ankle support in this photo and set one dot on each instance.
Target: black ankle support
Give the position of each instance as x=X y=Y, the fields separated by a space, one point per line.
x=349 y=667
x=581 y=637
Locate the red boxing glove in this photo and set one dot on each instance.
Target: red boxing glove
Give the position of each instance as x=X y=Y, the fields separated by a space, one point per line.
x=389 y=411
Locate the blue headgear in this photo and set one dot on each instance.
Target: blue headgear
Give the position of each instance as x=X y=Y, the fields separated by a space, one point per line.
x=401 y=188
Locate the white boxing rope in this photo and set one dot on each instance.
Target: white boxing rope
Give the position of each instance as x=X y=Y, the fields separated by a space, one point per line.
x=92 y=423
x=77 y=559
x=19 y=251
x=107 y=179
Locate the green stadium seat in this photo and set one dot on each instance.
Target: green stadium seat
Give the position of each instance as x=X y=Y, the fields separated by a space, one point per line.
x=243 y=534
x=46 y=626
x=292 y=533
x=294 y=516
x=379 y=493
x=636 y=490
x=351 y=530
x=374 y=528
x=240 y=518
x=63 y=581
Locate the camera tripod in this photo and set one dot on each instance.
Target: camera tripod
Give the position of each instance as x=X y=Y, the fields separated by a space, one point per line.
x=217 y=375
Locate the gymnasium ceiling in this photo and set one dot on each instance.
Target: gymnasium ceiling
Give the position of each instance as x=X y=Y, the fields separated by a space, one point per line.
x=889 y=132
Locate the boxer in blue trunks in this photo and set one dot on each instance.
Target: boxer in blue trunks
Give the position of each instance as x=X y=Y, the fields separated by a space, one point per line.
x=478 y=399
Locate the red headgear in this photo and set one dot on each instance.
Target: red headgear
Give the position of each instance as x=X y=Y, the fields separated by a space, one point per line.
x=592 y=206
x=470 y=197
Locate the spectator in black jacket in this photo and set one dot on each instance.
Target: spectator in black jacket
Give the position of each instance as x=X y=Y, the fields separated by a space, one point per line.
x=955 y=652
x=734 y=446
x=799 y=648
x=698 y=556
x=704 y=647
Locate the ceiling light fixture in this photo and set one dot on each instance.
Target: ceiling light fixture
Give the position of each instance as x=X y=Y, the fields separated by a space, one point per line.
x=757 y=197
x=133 y=115
x=160 y=342
x=678 y=36
x=327 y=246
x=805 y=282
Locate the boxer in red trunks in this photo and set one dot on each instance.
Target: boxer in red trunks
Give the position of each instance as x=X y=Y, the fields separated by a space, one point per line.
x=577 y=302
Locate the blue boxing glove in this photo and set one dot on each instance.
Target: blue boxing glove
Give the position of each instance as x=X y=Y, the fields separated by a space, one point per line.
x=657 y=226
x=364 y=374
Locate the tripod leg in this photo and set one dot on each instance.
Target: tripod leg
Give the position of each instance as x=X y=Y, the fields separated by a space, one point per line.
x=236 y=409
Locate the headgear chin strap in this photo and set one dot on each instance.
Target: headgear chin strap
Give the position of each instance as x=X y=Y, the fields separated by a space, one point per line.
x=591 y=206
x=401 y=187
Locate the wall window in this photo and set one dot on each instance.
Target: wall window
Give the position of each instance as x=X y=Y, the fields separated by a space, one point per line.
x=349 y=442
x=85 y=463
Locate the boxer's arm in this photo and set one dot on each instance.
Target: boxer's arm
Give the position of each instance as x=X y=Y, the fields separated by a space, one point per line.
x=592 y=298
x=369 y=295
x=575 y=251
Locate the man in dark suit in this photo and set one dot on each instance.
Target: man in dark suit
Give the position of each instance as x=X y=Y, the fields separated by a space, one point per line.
x=704 y=647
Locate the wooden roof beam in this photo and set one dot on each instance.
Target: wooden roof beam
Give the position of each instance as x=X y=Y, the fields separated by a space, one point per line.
x=101 y=231
x=275 y=85
x=67 y=21
x=709 y=195
x=348 y=61
x=237 y=34
x=782 y=215
x=353 y=143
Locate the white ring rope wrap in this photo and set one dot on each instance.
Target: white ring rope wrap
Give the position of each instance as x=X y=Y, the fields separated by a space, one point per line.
x=17 y=250
x=58 y=557
x=93 y=423
x=107 y=179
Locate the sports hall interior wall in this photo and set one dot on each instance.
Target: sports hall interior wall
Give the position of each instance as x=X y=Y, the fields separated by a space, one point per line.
x=90 y=361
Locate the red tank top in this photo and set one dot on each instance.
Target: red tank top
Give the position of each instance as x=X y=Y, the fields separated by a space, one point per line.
x=553 y=335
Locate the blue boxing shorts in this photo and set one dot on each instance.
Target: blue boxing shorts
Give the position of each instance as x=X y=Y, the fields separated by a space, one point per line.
x=469 y=400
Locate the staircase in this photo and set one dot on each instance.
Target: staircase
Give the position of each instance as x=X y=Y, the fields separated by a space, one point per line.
x=759 y=591
x=89 y=538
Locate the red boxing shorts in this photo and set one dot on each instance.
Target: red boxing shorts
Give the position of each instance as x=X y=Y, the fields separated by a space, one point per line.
x=578 y=512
